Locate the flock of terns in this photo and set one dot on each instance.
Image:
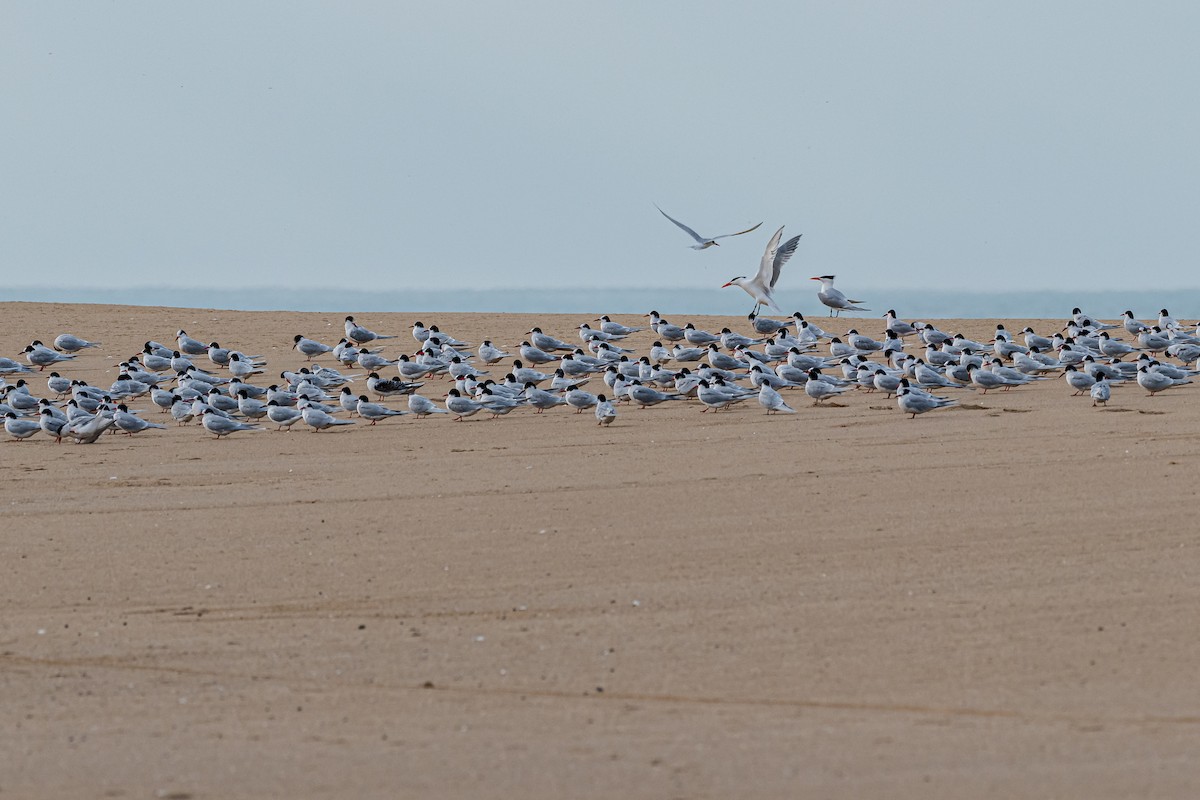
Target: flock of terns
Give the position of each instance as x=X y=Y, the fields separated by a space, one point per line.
x=219 y=388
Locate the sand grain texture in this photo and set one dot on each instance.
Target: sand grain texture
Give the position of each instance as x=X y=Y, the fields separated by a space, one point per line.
x=843 y=603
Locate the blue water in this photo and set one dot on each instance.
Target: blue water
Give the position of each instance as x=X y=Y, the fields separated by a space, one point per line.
x=909 y=304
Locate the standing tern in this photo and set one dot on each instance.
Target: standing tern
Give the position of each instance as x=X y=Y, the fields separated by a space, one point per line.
x=1155 y=382
x=360 y=335
x=223 y=426
x=605 y=411
x=310 y=348
x=130 y=423
x=762 y=285
x=772 y=401
x=913 y=403
x=20 y=428
x=460 y=406
x=608 y=326
x=834 y=299
x=317 y=418
x=190 y=346
x=375 y=411
x=703 y=242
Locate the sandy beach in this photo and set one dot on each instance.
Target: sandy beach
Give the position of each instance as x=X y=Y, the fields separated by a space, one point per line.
x=996 y=600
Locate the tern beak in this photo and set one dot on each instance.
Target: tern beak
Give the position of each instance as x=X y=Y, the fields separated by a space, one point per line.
x=726 y=284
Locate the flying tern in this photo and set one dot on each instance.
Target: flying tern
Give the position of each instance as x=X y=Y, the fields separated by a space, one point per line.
x=703 y=242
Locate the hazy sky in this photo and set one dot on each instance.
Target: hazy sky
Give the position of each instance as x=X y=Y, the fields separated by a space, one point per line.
x=1013 y=145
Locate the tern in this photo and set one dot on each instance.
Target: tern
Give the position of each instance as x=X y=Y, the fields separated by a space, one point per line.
x=220 y=426
x=52 y=425
x=644 y=396
x=20 y=428
x=911 y=402
x=541 y=399
x=605 y=412
x=130 y=423
x=772 y=401
x=703 y=242
x=87 y=431
x=548 y=343
x=375 y=411
x=360 y=335
x=310 y=348
x=40 y=356
x=1077 y=380
x=1155 y=382
x=608 y=326
x=283 y=416
x=422 y=406
x=819 y=389
x=491 y=354
x=189 y=345
x=317 y=418
x=834 y=299
x=460 y=406
x=1101 y=390
x=72 y=344
x=762 y=285
x=581 y=400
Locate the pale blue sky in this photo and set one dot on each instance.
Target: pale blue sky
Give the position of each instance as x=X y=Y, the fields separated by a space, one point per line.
x=1015 y=145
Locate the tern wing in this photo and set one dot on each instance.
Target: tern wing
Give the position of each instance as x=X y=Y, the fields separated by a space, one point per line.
x=699 y=239
x=739 y=233
x=782 y=256
x=766 y=268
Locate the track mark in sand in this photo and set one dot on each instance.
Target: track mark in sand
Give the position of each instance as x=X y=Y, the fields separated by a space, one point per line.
x=1084 y=723
x=971 y=407
x=1017 y=410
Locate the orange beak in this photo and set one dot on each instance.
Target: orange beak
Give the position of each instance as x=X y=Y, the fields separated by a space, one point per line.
x=726 y=284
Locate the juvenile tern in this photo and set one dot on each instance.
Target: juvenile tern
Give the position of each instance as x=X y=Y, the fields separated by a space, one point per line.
x=703 y=242
x=762 y=286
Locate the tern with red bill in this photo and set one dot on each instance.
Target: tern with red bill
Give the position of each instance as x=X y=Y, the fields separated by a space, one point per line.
x=762 y=285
